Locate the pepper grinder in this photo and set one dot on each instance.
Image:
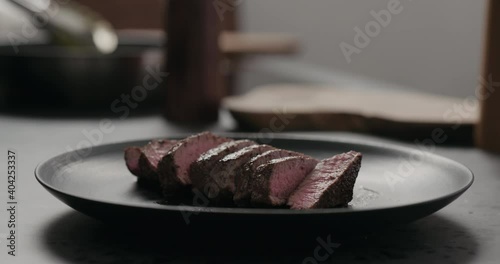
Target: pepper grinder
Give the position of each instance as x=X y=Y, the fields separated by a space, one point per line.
x=193 y=90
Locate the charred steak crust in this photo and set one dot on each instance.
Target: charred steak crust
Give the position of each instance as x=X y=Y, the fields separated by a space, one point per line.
x=199 y=171
x=167 y=176
x=151 y=155
x=246 y=173
x=223 y=175
x=258 y=195
x=330 y=184
x=277 y=179
x=341 y=192
x=147 y=172
x=173 y=169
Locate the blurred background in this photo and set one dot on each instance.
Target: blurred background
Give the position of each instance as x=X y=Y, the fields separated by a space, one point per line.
x=432 y=46
x=428 y=47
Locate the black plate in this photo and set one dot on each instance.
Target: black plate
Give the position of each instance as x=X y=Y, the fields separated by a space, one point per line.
x=395 y=185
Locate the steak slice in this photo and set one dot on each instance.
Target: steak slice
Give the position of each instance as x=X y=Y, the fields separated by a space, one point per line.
x=151 y=155
x=330 y=184
x=277 y=179
x=132 y=155
x=221 y=179
x=246 y=173
x=173 y=169
x=199 y=172
x=143 y=161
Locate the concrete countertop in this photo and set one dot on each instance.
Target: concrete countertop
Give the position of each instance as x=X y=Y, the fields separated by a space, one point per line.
x=467 y=231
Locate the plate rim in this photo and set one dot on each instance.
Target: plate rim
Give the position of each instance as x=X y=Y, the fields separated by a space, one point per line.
x=264 y=211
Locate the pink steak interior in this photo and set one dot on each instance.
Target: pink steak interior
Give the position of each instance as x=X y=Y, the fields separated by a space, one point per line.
x=288 y=174
x=186 y=155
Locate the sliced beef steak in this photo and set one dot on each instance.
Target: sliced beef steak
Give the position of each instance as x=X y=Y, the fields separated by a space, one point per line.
x=173 y=169
x=143 y=161
x=199 y=171
x=330 y=184
x=221 y=179
x=151 y=155
x=132 y=155
x=277 y=179
x=246 y=173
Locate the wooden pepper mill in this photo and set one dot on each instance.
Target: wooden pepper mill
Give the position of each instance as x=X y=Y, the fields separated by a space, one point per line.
x=488 y=129
x=192 y=91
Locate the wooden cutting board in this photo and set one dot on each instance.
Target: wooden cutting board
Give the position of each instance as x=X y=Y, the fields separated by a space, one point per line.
x=399 y=114
x=238 y=43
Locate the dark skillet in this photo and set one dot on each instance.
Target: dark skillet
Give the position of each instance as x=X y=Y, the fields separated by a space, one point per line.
x=47 y=75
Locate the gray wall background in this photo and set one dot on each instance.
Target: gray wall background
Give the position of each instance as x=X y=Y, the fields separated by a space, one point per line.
x=434 y=46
